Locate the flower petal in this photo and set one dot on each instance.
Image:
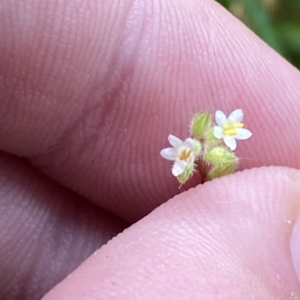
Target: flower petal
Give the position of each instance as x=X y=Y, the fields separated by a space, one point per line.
x=230 y=142
x=218 y=132
x=237 y=115
x=188 y=143
x=174 y=141
x=243 y=134
x=178 y=168
x=168 y=153
x=220 y=118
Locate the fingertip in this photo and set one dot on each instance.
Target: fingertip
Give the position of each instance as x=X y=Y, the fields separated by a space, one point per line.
x=229 y=237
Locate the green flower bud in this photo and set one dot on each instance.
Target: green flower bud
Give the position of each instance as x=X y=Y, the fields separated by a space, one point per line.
x=222 y=160
x=200 y=123
x=220 y=156
x=220 y=171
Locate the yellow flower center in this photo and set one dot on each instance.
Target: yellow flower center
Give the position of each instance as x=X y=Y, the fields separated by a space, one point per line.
x=231 y=127
x=185 y=154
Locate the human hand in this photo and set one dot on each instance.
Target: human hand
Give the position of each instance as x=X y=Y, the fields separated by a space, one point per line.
x=89 y=92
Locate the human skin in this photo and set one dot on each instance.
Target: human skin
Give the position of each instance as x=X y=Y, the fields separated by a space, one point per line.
x=89 y=92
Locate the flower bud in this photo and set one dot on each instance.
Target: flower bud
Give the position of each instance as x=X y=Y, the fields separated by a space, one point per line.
x=222 y=160
x=200 y=123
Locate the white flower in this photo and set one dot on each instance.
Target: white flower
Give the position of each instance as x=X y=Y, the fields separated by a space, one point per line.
x=183 y=153
x=229 y=129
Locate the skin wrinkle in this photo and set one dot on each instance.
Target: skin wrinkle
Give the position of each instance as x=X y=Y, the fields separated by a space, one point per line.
x=110 y=101
x=24 y=250
x=43 y=242
x=61 y=74
x=107 y=109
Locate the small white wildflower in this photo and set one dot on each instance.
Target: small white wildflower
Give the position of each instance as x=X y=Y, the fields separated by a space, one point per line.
x=182 y=152
x=229 y=129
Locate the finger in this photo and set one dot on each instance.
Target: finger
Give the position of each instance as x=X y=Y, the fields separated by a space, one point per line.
x=45 y=231
x=113 y=85
x=228 y=240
